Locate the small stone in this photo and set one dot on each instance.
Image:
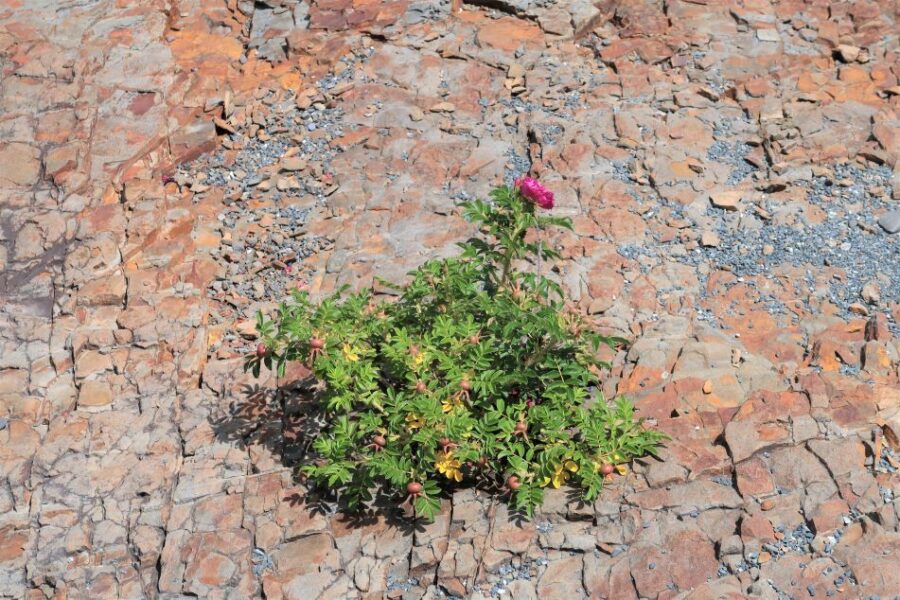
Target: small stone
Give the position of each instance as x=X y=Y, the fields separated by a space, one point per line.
x=515 y=71
x=247 y=328
x=848 y=53
x=416 y=113
x=728 y=200
x=767 y=504
x=890 y=221
x=294 y=163
x=446 y=107
x=709 y=239
x=707 y=387
x=871 y=293
x=768 y=250
x=767 y=35
x=858 y=309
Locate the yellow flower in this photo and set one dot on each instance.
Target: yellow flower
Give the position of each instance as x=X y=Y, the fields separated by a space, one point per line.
x=414 y=421
x=448 y=466
x=451 y=403
x=350 y=353
x=622 y=469
x=419 y=359
x=562 y=473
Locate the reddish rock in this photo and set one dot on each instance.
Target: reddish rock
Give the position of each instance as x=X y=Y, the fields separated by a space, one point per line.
x=686 y=558
x=561 y=579
x=757 y=528
x=193 y=140
x=753 y=478
x=508 y=33
x=829 y=515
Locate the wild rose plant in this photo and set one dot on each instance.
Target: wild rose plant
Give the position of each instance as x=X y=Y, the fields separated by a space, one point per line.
x=477 y=373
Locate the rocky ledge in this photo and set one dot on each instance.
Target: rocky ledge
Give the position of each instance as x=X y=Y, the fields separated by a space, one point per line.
x=171 y=167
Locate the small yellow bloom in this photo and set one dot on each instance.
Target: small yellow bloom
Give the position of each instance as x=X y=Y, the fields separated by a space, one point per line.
x=414 y=421
x=451 y=403
x=419 y=359
x=350 y=353
x=622 y=469
x=562 y=473
x=448 y=466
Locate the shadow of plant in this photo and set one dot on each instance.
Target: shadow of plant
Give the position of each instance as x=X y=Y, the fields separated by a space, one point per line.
x=285 y=420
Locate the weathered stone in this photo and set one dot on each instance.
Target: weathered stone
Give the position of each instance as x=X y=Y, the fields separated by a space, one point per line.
x=753 y=478
x=21 y=165
x=94 y=394
x=729 y=199
x=890 y=221
x=309 y=554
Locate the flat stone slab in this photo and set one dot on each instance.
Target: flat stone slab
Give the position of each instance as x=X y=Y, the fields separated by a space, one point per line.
x=890 y=221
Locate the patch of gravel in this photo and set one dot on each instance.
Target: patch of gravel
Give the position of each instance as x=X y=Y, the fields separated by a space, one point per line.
x=395 y=585
x=847 y=239
x=796 y=540
x=525 y=571
x=887 y=460
x=844 y=237
x=517 y=165
x=733 y=154
x=269 y=203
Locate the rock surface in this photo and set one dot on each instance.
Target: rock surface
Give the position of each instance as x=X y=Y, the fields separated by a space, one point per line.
x=168 y=171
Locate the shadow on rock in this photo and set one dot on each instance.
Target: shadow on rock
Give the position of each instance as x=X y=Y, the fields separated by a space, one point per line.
x=282 y=422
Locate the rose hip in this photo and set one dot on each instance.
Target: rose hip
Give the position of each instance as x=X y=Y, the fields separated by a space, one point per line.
x=261 y=350
x=414 y=487
x=607 y=469
x=316 y=343
x=513 y=483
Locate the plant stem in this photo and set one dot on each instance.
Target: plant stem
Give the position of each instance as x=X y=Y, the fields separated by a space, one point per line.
x=508 y=256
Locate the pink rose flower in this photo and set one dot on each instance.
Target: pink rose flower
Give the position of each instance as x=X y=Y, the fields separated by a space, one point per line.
x=534 y=191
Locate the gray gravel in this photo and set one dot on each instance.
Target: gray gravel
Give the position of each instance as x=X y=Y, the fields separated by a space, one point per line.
x=847 y=239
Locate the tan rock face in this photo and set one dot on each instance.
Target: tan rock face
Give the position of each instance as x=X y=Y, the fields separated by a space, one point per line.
x=94 y=394
x=21 y=165
x=508 y=34
x=165 y=174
